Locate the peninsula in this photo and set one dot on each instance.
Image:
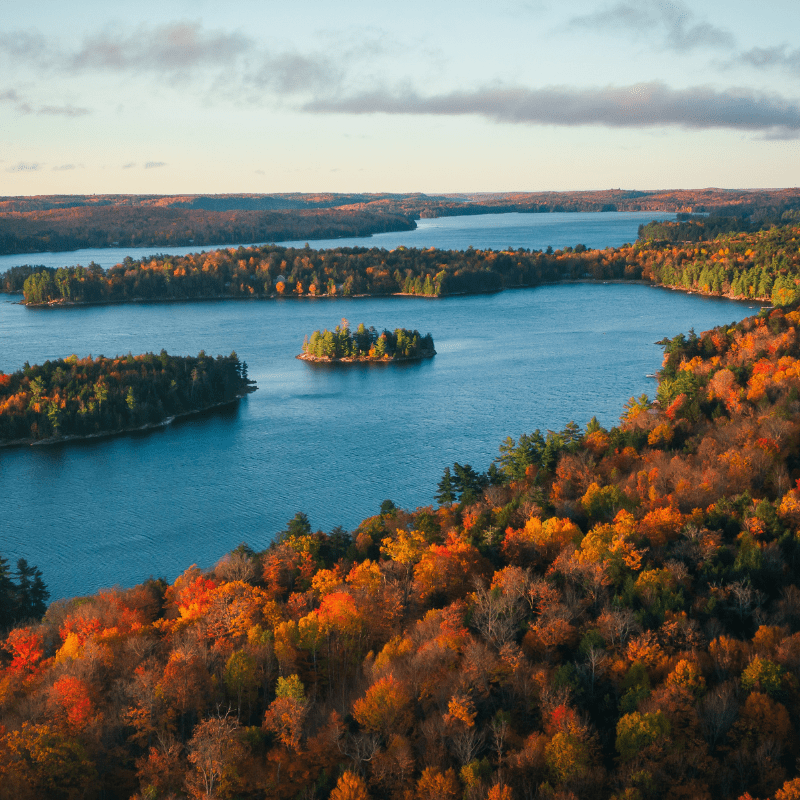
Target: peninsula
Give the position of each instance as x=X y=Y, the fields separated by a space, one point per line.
x=366 y=345
x=79 y=398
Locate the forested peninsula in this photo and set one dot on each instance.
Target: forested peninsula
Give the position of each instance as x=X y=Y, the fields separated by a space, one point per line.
x=760 y=264
x=610 y=614
x=76 y=398
x=366 y=345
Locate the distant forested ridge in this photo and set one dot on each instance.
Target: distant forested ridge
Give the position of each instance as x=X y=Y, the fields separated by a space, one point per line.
x=70 y=222
x=609 y=614
x=366 y=344
x=78 y=397
x=76 y=227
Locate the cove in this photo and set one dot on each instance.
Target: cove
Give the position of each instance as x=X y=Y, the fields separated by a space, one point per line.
x=331 y=443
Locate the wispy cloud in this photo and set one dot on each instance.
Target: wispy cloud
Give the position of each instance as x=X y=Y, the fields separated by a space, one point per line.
x=780 y=57
x=20 y=105
x=23 y=106
x=675 y=24
x=129 y=165
x=25 y=166
x=155 y=164
x=292 y=73
x=26 y=46
x=175 y=47
x=216 y=62
x=62 y=111
x=63 y=167
x=643 y=105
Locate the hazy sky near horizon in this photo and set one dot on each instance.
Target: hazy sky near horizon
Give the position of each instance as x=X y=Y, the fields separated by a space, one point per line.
x=435 y=96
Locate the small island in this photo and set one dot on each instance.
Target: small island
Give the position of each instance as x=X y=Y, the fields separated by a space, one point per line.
x=366 y=345
x=80 y=398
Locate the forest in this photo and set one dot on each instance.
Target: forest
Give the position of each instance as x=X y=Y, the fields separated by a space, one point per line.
x=71 y=222
x=602 y=613
x=762 y=264
x=76 y=227
x=79 y=397
x=366 y=344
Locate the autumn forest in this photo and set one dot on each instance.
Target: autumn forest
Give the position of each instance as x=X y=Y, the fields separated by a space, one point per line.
x=761 y=264
x=609 y=613
x=71 y=222
x=80 y=397
x=603 y=613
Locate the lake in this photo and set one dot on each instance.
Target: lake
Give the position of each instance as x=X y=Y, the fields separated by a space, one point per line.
x=333 y=443
x=489 y=231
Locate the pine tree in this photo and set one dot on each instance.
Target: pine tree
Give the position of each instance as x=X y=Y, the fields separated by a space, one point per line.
x=31 y=593
x=7 y=596
x=446 y=493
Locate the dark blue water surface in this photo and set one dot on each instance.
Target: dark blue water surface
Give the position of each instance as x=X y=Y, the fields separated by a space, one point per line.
x=331 y=442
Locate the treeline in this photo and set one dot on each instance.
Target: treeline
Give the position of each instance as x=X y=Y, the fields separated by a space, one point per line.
x=76 y=227
x=85 y=396
x=36 y=224
x=764 y=264
x=23 y=594
x=272 y=271
x=12 y=281
x=367 y=343
x=602 y=614
x=694 y=229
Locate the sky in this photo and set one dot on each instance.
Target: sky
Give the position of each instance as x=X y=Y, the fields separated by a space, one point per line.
x=440 y=96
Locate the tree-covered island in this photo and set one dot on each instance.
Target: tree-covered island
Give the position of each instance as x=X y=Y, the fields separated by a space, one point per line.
x=81 y=397
x=366 y=344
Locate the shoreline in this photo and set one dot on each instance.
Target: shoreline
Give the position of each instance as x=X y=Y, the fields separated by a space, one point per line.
x=150 y=426
x=362 y=360
x=55 y=304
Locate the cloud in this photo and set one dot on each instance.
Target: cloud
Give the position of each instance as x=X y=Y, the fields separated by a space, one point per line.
x=173 y=48
x=643 y=105
x=62 y=111
x=675 y=22
x=155 y=164
x=26 y=46
x=771 y=57
x=24 y=166
x=129 y=165
x=63 y=167
x=291 y=73
x=22 y=106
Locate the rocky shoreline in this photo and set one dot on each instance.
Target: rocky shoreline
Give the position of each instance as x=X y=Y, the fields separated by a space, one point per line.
x=364 y=359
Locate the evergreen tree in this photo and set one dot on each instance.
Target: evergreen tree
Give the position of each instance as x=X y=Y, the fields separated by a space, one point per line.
x=516 y=457
x=446 y=493
x=7 y=596
x=31 y=593
x=468 y=483
x=298 y=526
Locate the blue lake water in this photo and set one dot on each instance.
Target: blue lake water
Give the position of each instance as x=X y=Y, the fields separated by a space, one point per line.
x=489 y=231
x=334 y=443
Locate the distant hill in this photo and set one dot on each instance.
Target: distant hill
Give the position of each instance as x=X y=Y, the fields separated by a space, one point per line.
x=70 y=222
